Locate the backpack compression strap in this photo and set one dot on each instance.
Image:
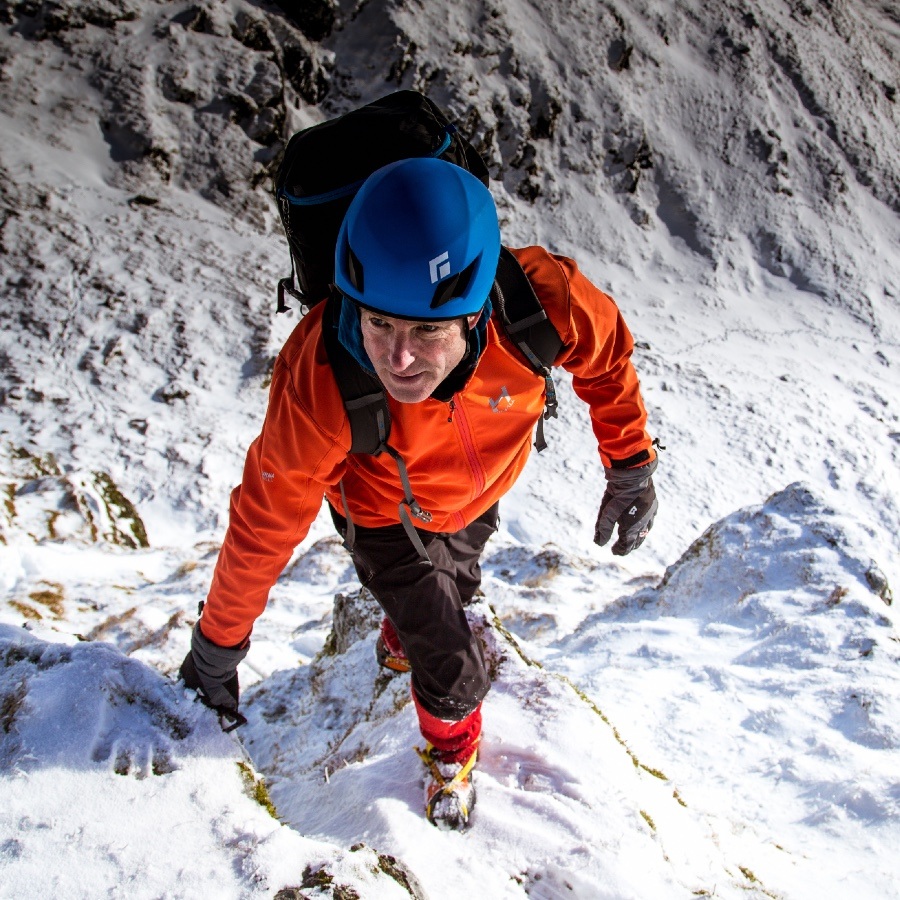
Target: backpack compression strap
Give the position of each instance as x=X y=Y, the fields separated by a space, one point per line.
x=525 y=322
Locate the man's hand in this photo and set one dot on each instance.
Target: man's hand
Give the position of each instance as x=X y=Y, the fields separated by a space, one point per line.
x=211 y=670
x=629 y=501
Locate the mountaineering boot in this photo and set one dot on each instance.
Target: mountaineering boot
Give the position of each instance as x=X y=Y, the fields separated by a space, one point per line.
x=388 y=649
x=449 y=792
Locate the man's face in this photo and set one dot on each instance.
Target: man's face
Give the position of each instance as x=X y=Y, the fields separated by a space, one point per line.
x=413 y=358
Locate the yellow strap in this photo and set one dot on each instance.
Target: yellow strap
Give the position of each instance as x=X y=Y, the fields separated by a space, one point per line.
x=446 y=787
x=425 y=755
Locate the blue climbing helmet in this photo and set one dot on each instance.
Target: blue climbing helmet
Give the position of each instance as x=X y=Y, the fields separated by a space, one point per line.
x=420 y=241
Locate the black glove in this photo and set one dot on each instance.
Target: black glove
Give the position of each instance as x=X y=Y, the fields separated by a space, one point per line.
x=211 y=670
x=630 y=502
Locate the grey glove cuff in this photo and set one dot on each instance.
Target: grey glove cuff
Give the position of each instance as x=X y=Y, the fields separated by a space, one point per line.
x=636 y=479
x=213 y=662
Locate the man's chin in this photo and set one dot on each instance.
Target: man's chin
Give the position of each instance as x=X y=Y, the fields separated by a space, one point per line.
x=409 y=394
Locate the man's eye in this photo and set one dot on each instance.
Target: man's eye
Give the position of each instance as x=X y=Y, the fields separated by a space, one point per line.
x=429 y=329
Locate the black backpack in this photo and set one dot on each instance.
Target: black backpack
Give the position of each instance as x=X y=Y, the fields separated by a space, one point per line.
x=322 y=169
x=325 y=165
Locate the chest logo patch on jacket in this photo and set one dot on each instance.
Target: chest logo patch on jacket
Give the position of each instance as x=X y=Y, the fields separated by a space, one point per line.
x=503 y=402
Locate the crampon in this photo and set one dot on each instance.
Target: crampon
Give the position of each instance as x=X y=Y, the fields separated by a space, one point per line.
x=388 y=649
x=449 y=792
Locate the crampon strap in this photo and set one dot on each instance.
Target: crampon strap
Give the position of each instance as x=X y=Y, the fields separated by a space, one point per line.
x=444 y=787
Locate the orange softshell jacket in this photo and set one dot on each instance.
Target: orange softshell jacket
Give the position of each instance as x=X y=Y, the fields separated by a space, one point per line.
x=461 y=456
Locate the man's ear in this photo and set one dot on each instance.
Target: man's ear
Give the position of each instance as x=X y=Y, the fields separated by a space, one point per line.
x=472 y=321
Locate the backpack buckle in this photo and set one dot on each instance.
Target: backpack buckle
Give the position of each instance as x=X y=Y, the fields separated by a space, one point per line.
x=551 y=404
x=286 y=286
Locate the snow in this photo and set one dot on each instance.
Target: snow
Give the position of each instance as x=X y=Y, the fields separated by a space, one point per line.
x=713 y=715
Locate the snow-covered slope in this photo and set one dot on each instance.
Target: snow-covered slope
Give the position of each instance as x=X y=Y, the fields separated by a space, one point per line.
x=115 y=785
x=714 y=714
x=761 y=674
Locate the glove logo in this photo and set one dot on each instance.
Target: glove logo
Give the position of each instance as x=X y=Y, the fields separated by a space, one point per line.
x=632 y=511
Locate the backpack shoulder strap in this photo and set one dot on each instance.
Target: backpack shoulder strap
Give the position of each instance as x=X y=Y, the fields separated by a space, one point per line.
x=362 y=393
x=366 y=405
x=527 y=325
x=522 y=316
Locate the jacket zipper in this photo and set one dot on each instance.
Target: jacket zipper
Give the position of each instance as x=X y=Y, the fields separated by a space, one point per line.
x=465 y=432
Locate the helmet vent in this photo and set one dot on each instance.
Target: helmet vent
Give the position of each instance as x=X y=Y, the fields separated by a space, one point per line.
x=355 y=270
x=452 y=287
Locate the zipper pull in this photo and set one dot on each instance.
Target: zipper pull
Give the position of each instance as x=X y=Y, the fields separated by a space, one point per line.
x=452 y=410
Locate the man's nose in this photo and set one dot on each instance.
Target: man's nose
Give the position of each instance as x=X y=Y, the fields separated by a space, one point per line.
x=400 y=353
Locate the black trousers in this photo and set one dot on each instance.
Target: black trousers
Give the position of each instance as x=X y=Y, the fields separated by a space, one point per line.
x=426 y=606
